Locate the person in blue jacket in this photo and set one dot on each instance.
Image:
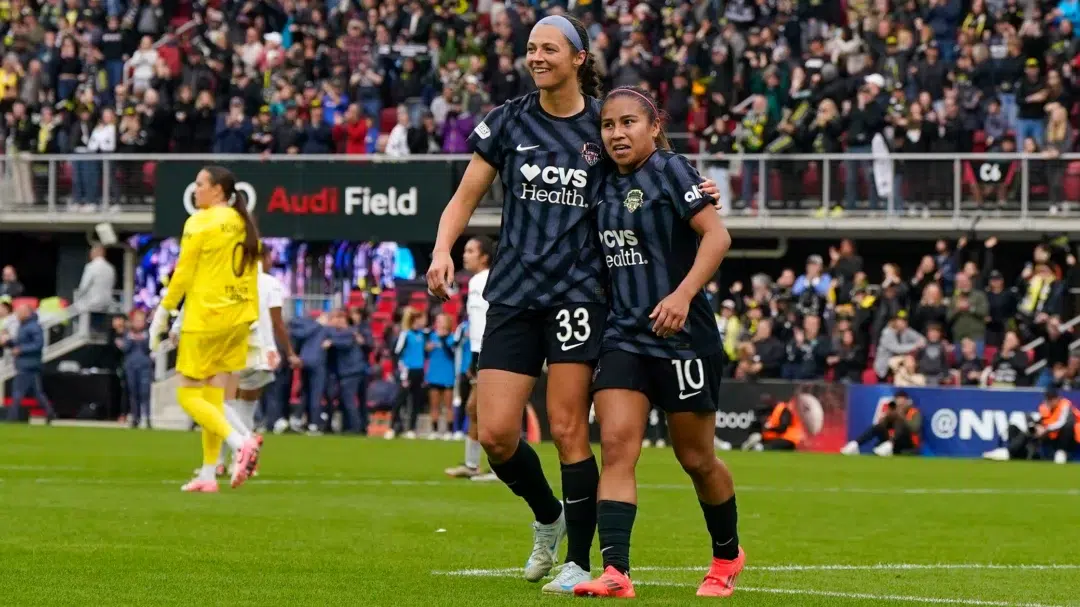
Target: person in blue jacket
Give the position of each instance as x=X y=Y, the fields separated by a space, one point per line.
x=311 y=340
x=27 y=349
x=440 y=376
x=411 y=353
x=138 y=368
x=350 y=365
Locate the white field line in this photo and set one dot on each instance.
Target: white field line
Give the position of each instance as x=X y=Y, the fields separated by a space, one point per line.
x=865 y=596
x=377 y=482
x=514 y=572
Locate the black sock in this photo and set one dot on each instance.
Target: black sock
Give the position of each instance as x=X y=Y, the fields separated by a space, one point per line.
x=524 y=475
x=615 y=520
x=723 y=521
x=579 y=483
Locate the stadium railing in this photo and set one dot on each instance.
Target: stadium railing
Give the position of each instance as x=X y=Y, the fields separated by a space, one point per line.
x=930 y=186
x=64 y=332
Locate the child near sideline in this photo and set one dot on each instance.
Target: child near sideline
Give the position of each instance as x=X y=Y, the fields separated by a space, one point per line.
x=440 y=376
x=138 y=368
x=411 y=353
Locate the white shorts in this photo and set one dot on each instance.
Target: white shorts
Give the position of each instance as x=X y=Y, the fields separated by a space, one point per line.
x=254 y=379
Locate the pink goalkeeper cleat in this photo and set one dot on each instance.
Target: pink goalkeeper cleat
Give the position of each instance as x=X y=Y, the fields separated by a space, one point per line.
x=246 y=462
x=200 y=486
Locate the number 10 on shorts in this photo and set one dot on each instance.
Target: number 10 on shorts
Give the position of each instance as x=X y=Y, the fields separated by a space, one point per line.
x=685 y=371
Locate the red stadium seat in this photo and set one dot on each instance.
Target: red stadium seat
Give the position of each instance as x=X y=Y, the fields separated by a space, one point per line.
x=387 y=119
x=869 y=377
x=989 y=352
x=27 y=301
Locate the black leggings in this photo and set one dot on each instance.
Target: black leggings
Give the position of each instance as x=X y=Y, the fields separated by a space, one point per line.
x=903 y=441
x=418 y=397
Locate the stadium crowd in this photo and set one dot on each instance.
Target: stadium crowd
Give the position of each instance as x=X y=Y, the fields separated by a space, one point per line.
x=957 y=320
x=411 y=77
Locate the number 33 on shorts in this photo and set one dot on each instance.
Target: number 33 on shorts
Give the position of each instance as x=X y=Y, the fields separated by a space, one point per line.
x=575 y=332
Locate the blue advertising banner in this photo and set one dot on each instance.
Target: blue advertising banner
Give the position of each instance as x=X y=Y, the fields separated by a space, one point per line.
x=957 y=422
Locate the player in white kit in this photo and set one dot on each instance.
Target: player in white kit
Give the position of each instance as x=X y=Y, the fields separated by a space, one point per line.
x=245 y=387
x=477 y=260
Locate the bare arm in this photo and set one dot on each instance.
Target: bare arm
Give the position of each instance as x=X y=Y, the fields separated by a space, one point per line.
x=281 y=332
x=715 y=242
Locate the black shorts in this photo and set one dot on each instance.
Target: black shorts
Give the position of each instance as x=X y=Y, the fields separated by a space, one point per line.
x=673 y=385
x=520 y=340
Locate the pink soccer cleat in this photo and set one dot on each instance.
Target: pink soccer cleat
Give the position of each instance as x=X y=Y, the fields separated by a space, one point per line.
x=246 y=462
x=196 y=485
x=720 y=581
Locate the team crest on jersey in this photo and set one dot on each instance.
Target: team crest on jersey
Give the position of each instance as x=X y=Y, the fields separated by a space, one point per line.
x=591 y=153
x=634 y=200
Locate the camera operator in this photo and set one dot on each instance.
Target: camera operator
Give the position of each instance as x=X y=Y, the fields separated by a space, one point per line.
x=777 y=427
x=898 y=429
x=1055 y=426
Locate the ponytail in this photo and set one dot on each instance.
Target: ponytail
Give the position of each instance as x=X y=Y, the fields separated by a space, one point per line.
x=251 y=232
x=237 y=200
x=588 y=76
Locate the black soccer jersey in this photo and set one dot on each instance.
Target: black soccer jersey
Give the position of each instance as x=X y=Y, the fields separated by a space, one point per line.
x=649 y=247
x=551 y=169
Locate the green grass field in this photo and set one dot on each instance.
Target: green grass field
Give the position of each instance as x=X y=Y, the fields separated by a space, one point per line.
x=95 y=517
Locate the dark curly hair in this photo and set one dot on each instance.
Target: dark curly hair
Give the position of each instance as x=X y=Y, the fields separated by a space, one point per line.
x=588 y=77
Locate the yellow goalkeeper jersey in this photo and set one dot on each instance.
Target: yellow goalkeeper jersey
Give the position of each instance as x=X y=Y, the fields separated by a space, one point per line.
x=218 y=290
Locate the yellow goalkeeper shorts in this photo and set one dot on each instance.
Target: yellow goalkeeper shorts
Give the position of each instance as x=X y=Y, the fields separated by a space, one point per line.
x=202 y=355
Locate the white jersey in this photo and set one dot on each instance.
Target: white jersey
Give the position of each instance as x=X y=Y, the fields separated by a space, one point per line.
x=477 y=308
x=261 y=342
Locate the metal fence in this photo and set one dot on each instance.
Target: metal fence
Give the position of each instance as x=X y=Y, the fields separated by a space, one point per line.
x=902 y=185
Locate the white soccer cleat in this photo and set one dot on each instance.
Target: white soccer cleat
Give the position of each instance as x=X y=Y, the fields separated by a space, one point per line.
x=646 y=443
x=447 y=436
x=660 y=443
x=281 y=425
x=885 y=449
x=751 y=441
x=1060 y=456
x=487 y=477
x=296 y=424
x=852 y=448
x=389 y=434
x=1001 y=454
x=459 y=435
x=569 y=575
x=545 y=550
x=410 y=435
x=721 y=445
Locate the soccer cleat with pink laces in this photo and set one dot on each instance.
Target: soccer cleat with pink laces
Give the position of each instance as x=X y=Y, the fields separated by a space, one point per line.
x=612 y=584
x=720 y=581
x=246 y=462
x=196 y=485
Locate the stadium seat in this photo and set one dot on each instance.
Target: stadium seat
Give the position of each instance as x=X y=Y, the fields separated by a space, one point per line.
x=27 y=301
x=387 y=119
x=869 y=377
x=989 y=352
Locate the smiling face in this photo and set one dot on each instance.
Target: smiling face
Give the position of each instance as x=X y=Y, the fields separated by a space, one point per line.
x=628 y=131
x=551 y=60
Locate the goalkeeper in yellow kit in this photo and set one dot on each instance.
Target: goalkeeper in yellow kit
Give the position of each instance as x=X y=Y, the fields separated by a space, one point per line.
x=216 y=276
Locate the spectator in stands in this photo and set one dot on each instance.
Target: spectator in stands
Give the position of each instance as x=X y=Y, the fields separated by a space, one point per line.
x=397 y=144
x=9 y=283
x=1008 y=369
x=968 y=312
x=933 y=358
x=808 y=351
x=233 y=130
x=350 y=132
x=27 y=349
x=897 y=339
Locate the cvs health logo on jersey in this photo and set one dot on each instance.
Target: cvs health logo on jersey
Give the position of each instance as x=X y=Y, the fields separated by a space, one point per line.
x=555 y=185
x=620 y=247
